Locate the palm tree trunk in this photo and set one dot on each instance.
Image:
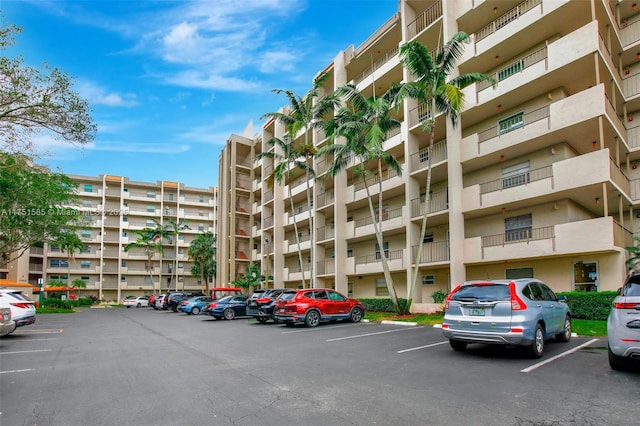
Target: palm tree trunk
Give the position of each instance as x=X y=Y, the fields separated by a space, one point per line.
x=295 y=229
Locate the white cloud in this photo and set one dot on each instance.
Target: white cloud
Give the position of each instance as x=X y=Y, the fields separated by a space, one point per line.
x=146 y=147
x=98 y=95
x=202 y=80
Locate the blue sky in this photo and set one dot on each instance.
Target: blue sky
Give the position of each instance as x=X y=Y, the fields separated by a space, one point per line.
x=169 y=81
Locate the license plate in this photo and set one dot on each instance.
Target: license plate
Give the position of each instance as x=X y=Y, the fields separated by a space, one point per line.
x=476 y=312
x=281 y=310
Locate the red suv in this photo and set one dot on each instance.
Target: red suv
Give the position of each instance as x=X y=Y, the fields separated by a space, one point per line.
x=313 y=305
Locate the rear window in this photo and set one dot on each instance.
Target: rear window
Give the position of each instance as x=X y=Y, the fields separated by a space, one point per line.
x=485 y=293
x=18 y=295
x=288 y=295
x=632 y=288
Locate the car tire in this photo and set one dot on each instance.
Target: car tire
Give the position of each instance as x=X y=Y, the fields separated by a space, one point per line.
x=128 y=306
x=356 y=315
x=616 y=362
x=138 y=305
x=537 y=347
x=457 y=345
x=565 y=336
x=229 y=314
x=262 y=320
x=312 y=319
x=195 y=310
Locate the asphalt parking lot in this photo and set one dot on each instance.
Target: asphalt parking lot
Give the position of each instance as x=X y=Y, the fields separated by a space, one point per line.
x=145 y=367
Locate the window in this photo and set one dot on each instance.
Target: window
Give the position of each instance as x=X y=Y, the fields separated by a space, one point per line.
x=350 y=289
x=124 y=233
x=85 y=233
x=151 y=209
x=428 y=279
x=200 y=227
x=201 y=198
x=151 y=194
x=123 y=278
x=125 y=219
x=170 y=197
x=123 y=263
x=515 y=175
x=180 y=237
x=515 y=273
x=381 y=287
x=428 y=237
x=85 y=264
x=511 y=123
x=87 y=249
x=424 y=155
x=58 y=263
x=386 y=250
x=88 y=188
x=148 y=279
x=151 y=223
x=349 y=252
x=87 y=203
x=180 y=265
x=85 y=278
x=518 y=228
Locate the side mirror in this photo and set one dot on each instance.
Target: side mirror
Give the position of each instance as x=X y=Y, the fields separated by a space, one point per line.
x=562 y=299
x=619 y=292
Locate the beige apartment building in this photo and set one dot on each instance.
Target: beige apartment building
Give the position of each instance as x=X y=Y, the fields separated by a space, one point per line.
x=113 y=207
x=539 y=177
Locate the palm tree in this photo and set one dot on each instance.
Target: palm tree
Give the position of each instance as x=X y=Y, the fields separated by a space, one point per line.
x=173 y=229
x=202 y=251
x=303 y=113
x=433 y=87
x=69 y=243
x=364 y=123
x=150 y=240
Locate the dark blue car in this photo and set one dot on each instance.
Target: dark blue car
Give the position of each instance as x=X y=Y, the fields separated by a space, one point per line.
x=229 y=307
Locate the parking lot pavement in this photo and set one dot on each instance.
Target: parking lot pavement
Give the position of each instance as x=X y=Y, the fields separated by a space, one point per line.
x=146 y=367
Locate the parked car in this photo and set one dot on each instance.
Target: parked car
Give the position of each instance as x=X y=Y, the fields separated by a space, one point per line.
x=228 y=307
x=23 y=309
x=261 y=305
x=522 y=312
x=7 y=325
x=194 y=305
x=152 y=300
x=312 y=306
x=138 y=302
x=218 y=293
x=174 y=298
x=623 y=324
x=159 y=301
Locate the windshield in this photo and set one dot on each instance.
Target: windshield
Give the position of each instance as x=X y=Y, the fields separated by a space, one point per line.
x=484 y=293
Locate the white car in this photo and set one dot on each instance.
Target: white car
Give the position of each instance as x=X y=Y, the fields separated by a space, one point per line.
x=623 y=324
x=7 y=325
x=23 y=309
x=137 y=302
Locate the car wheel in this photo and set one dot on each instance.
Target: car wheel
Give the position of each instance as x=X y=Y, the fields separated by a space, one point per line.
x=138 y=305
x=615 y=362
x=128 y=306
x=565 y=336
x=195 y=310
x=262 y=320
x=356 y=315
x=312 y=319
x=537 y=347
x=457 y=345
x=229 y=314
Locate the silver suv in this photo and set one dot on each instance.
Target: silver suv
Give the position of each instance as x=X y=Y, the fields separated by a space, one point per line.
x=522 y=312
x=623 y=324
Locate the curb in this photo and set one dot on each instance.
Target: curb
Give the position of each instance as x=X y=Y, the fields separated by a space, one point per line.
x=409 y=324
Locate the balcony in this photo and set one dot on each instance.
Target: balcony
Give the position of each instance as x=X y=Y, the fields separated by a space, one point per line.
x=391 y=219
x=562 y=178
x=505 y=19
x=326 y=233
x=295 y=274
x=326 y=267
x=325 y=199
x=372 y=264
x=586 y=236
x=438 y=202
x=435 y=252
x=379 y=63
x=420 y=159
x=390 y=179
x=425 y=20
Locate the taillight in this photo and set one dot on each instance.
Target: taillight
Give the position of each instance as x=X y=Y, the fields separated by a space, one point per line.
x=446 y=301
x=22 y=305
x=516 y=303
x=517 y=330
x=213 y=305
x=626 y=305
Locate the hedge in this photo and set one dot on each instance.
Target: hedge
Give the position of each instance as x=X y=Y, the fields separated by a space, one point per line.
x=66 y=304
x=381 y=305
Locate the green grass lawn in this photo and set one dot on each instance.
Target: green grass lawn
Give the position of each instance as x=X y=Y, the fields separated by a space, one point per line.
x=580 y=326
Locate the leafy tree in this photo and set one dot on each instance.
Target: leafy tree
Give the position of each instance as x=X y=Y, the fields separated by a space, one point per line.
x=34 y=205
x=364 y=123
x=432 y=86
x=302 y=114
x=69 y=243
x=251 y=278
x=33 y=100
x=150 y=240
x=202 y=251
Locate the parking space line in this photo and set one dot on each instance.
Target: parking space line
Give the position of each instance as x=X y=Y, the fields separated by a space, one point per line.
x=306 y=330
x=553 y=358
x=41 y=331
x=17 y=371
x=371 y=334
x=25 y=352
x=422 y=347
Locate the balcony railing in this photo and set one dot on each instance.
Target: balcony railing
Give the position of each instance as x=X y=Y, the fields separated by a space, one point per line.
x=630 y=33
x=377 y=257
x=516 y=180
x=268 y=222
x=432 y=252
x=527 y=117
x=506 y=18
x=325 y=267
x=514 y=68
x=420 y=114
x=438 y=201
x=386 y=215
x=325 y=198
x=519 y=236
x=326 y=233
x=386 y=175
x=425 y=19
x=376 y=65
x=420 y=159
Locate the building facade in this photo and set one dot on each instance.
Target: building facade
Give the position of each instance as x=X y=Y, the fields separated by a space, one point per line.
x=112 y=209
x=538 y=178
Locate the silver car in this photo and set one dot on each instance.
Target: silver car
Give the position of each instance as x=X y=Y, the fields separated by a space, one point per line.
x=521 y=312
x=623 y=324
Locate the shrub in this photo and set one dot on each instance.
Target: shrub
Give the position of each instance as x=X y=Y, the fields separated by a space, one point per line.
x=381 y=305
x=590 y=305
x=438 y=296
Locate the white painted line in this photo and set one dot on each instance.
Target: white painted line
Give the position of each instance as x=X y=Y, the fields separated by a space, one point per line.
x=563 y=354
x=17 y=371
x=306 y=329
x=25 y=352
x=423 y=347
x=37 y=340
x=371 y=334
x=41 y=331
